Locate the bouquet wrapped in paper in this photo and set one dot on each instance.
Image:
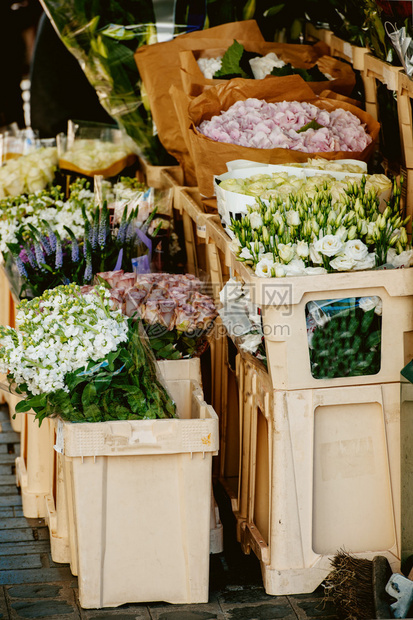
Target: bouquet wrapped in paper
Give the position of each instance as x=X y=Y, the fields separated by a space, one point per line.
x=275 y=120
x=203 y=68
x=103 y=38
x=92 y=149
x=159 y=68
x=28 y=173
x=301 y=235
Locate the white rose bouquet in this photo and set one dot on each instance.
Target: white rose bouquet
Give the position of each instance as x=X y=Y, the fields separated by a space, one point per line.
x=304 y=235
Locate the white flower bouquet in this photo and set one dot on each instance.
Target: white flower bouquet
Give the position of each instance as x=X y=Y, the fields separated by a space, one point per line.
x=301 y=235
x=43 y=209
x=78 y=357
x=29 y=173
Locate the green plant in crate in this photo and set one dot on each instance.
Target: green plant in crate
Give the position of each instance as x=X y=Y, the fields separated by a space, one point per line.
x=344 y=337
x=75 y=356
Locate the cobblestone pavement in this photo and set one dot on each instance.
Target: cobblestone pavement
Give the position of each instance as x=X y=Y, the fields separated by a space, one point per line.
x=33 y=586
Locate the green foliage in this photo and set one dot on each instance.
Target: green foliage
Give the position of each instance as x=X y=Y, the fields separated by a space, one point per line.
x=123 y=386
x=231 y=63
x=348 y=345
x=310 y=125
x=309 y=75
x=174 y=344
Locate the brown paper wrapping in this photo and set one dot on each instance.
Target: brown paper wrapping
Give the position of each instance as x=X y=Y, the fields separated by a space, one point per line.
x=300 y=56
x=210 y=157
x=329 y=94
x=180 y=103
x=159 y=68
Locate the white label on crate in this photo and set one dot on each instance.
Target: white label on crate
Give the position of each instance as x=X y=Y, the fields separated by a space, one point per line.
x=60 y=444
x=390 y=78
x=348 y=50
x=201 y=230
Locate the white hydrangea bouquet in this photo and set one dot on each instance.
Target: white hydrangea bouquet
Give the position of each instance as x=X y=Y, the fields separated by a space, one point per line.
x=78 y=357
x=313 y=235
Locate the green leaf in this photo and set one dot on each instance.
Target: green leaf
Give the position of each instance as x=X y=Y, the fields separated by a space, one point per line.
x=373 y=339
x=89 y=395
x=23 y=406
x=274 y=10
x=231 y=62
x=137 y=402
x=93 y=413
x=310 y=125
x=122 y=413
x=103 y=282
x=367 y=320
x=121 y=33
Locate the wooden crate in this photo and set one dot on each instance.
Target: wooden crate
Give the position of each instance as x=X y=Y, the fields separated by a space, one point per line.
x=355 y=55
x=7 y=318
x=35 y=465
x=317 y=34
x=210 y=256
x=404 y=108
x=154 y=175
x=380 y=72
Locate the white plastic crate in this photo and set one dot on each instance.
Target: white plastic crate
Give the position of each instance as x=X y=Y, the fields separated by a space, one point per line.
x=35 y=465
x=324 y=474
x=146 y=487
x=62 y=541
x=283 y=302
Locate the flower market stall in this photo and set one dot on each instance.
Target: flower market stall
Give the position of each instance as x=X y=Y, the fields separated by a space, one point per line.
x=218 y=287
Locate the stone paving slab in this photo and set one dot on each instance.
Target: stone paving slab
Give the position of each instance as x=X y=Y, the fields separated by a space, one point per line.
x=4 y=611
x=9 y=458
x=32 y=575
x=42 y=601
x=4 y=448
x=9 y=437
x=10 y=562
x=5 y=426
x=8 y=468
x=23 y=548
x=210 y=611
x=128 y=612
x=7 y=479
